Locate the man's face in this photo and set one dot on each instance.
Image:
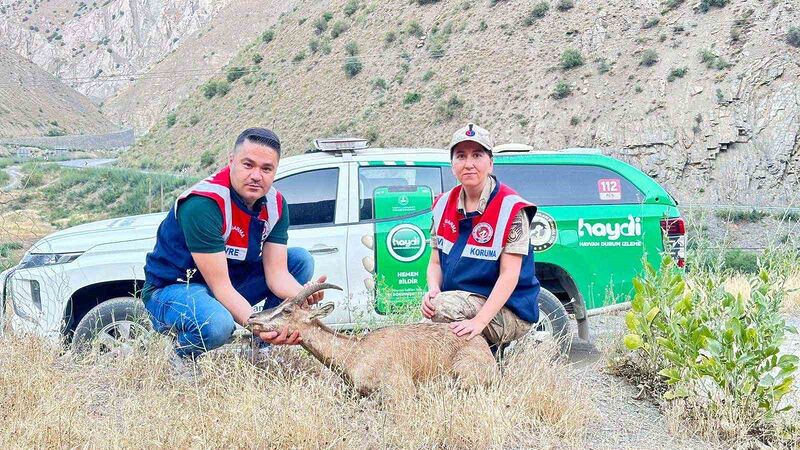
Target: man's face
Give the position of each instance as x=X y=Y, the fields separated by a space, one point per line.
x=471 y=164
x=253 y=170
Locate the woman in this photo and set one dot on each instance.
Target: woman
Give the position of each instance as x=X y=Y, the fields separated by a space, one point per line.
x=481 y=278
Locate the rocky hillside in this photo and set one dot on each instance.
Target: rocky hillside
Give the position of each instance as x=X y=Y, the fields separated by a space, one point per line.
x=703 y=96
x=99 y=47
x=165 y=84
x=34 y=103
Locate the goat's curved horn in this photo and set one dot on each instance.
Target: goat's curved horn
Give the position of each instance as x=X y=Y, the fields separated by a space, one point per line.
x=310 y=289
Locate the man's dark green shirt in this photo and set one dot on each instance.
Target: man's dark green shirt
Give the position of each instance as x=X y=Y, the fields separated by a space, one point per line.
x=201 y=222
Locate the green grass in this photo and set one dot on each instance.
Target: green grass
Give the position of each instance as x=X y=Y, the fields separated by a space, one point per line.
x=741 y=216
x=92 y=194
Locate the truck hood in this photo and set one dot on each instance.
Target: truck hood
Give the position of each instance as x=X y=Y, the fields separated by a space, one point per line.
x=83 y=237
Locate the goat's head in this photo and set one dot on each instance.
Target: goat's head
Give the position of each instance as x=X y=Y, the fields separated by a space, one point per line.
x=292 y=311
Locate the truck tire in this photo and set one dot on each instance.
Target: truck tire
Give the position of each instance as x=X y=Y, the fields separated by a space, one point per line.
x=114 y=325
x=553 y=326
x=553 y=321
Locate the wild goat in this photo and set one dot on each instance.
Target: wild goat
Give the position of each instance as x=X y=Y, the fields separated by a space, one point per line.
x=389 y=360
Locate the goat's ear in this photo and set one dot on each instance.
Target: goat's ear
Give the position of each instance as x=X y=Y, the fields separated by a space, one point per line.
x=322 y=311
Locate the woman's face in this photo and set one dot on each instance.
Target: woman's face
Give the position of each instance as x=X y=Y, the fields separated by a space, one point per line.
x=471 y=164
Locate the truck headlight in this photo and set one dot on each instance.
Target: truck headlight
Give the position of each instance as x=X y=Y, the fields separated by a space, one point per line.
x=31 y=260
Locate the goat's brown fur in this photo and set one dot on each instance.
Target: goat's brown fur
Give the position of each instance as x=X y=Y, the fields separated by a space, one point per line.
x=388 y=360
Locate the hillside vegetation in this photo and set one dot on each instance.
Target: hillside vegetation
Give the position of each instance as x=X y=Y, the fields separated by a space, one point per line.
x=34 y=103
x=702 y=97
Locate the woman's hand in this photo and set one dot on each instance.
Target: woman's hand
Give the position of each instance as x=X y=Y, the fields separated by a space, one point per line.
x=428 y=309
x=469 y=328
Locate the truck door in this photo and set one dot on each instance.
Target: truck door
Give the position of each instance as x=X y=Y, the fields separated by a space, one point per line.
x=361 y=263
x=318 y=209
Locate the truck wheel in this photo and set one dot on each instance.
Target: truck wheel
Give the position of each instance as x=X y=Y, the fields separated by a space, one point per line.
x=553 y=325
x=116 y=325
x=553 y=321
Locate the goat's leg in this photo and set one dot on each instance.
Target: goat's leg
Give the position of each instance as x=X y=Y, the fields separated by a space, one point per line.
x=475 y=366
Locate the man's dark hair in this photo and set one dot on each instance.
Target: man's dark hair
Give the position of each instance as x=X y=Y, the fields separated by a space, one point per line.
x=261 y=136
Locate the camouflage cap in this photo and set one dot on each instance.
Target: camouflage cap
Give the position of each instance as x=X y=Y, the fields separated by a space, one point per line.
x=473 y=133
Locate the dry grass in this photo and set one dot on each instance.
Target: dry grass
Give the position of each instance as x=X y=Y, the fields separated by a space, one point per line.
x=739 y=284
x=791 y=304
x=56 y=401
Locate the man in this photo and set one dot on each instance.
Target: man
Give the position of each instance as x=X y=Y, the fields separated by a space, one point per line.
x=481 y=279
x=222 y=248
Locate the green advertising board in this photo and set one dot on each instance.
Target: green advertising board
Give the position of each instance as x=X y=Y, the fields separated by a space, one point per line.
x=402 y=233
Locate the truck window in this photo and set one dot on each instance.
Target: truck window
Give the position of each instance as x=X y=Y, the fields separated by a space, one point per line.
x=547 y=185
x=373 y=177
x=311 y=196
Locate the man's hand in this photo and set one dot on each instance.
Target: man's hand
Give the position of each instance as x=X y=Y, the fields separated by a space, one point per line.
x=282 y=338
x=316 y=297
x=469 y=328
x=428 y=309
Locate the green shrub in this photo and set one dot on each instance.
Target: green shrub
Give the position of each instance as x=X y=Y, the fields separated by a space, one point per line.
x=350 y=7
x=325 y=46
x=32 y=179
x=339 y=27
x=413 y=28
x=351 y=49
x=389 y=38
x=320 y=25
x=313 y=45
x=706 y=5
x=562 y=90
x=565 y=5
x=299 y=56
x=327 y=16
x=741 y=261
x=426 y=2
x=171 y=119
x=437 y=40
x=55 y=132
x=7 y=247
x=651 y=22
x=208 y=158
x=411 y=98
x=574 y=120
x=4 y=178
x=234 y=73
x=380 y=84
x=267 y=36
x=212 y=88
x=793 y=37
x=257 y=58
x=194 y=120
x=352 y=66
x=223 y=87
x=741 y=216
x=649 y=58
x=676 y=73
x=538 y=11
x=571 y=58
x=428 y=75
x=717 y=352
x=603 y=66
x=673 y=4
x=447 y=110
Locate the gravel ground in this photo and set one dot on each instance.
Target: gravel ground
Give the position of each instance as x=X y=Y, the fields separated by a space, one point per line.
x=623 y=422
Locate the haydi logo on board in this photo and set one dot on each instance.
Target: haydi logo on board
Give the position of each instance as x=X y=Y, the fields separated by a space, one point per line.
x=611 y=231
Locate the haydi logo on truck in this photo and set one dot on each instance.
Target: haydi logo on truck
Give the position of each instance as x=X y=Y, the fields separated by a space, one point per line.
x=611 y=232
x=405 y=242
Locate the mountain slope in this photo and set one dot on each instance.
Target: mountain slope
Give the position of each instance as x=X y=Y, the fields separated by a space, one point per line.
x=708 y=103
x=34 y=103
x=88 y=44
x=200 y=56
